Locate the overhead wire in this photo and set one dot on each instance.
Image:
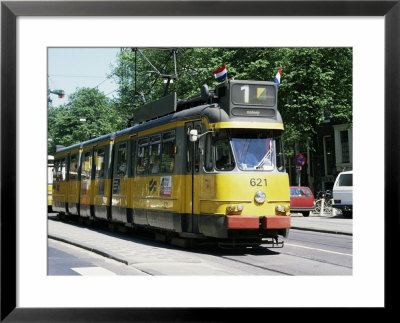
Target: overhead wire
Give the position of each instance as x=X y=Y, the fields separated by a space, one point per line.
x=92 y=76
x=101 y=82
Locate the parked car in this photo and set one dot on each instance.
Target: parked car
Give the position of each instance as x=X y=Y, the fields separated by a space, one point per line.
x=301 y=200
x=343 y=193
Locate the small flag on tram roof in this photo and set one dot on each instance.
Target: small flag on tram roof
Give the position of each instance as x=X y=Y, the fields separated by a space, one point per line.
x=277 y=78
x=220 y=73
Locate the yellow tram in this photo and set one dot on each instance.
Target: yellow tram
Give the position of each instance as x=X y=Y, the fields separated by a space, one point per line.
x=50 y=165
x=207 y=167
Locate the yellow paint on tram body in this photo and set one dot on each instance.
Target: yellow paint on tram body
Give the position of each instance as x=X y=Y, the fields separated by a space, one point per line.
x=247 y=125
x=213 y=193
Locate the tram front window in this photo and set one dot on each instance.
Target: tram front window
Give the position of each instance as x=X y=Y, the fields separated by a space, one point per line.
x=256 y=149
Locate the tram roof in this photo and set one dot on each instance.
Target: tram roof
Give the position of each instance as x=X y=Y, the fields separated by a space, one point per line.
x=110 y=136
x=196 y=112
x=66 y=149
x=213 y=112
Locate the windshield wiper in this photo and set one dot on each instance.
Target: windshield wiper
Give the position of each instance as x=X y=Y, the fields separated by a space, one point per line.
x=264 y=159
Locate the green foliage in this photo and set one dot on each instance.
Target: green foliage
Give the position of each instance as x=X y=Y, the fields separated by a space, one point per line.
x=64 y=124
x=316 y=85
x=195 y=67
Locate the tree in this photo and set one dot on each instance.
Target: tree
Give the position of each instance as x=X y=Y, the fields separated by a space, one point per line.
x=316 y=86
x=316 y=83
x=88 y=114
x=138 y=75
x=139 y=81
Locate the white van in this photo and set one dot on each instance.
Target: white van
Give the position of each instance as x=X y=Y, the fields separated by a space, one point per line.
x=343 y=193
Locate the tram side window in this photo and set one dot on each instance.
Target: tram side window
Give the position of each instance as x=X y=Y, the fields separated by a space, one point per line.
x=86 y=166
x=142 y=156
x=168 y=152
x=133 y=155
x=100 y=163
x=59 y=170
x=223 y=153
x=122 y=160
x=197 y=151
x=208 y=161
x=280 y=159
x=50 y=171
x=155 y=154
x=63 y=169
x=55 y=170
x=193 y=152
x=73 y=168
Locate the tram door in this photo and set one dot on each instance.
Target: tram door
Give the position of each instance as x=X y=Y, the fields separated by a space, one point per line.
x=120 y=182
x=192 y=181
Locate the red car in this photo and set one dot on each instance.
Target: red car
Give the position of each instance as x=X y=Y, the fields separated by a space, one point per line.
x=301 y=200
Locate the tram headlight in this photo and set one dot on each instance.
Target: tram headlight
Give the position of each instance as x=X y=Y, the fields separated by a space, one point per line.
x=234 y=209
x=231 y=208
x=259 y=197
x=282 y=208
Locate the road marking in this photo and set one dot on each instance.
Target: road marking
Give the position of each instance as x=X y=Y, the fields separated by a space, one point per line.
x=93 y=271
x=335 y=252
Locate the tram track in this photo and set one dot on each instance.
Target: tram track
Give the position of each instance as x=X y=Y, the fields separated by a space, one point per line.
x=260 y=267
x=335 y=240
x=303 y=255
x=290 y=271
x=317 y=260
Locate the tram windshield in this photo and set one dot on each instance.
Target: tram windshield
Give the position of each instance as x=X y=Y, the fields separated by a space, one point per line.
x=246 y=149
x=257 y=149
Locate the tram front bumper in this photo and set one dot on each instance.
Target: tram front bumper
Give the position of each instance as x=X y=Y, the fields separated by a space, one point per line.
x=276 y=222
x=256 y=222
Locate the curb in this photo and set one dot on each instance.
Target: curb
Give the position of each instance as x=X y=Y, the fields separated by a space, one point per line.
x=322 y=230
x=91 y=249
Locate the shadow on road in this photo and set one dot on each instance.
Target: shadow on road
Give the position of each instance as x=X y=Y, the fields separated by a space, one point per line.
x=146 y=237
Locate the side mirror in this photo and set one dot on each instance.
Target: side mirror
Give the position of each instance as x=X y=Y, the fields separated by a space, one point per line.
x=193 y=135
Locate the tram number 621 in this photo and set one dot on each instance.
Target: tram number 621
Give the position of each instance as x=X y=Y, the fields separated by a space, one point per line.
x=258 y=182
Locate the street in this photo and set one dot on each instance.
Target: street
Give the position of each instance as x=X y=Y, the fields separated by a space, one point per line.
x=304 y=253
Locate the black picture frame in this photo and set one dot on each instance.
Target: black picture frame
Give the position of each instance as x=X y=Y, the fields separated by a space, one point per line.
x=10 y=10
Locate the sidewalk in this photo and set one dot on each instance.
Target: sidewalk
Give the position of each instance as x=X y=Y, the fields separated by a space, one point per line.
x=325 y=223
x=143 y=256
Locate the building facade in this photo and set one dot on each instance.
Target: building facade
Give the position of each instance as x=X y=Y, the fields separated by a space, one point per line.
x=332 y=154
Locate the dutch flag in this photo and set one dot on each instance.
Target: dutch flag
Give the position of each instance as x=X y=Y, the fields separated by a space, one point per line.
x=220 y=73
x=277 y=78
